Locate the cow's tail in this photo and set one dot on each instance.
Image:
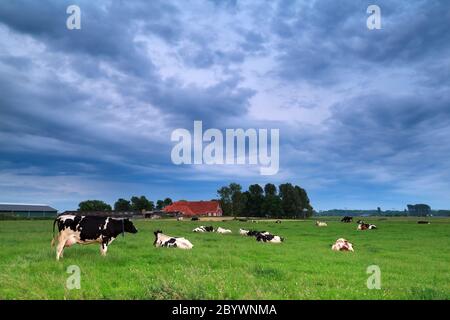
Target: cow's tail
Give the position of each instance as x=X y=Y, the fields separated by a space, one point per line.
x=54 y=237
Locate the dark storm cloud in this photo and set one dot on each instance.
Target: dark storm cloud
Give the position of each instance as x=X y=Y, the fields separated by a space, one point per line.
x=107 y=30
x=366 y=122
x=93 y=109
x=192 y=103
x=321 y=39
x=107 y=35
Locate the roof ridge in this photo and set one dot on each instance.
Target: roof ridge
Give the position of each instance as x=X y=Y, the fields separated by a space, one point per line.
x=24 y=204
x=194 y=207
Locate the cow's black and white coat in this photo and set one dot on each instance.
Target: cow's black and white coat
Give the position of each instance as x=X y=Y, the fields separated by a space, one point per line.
x=261 y=236
x=267 y=237
x=162 y=240
x=365 y=226
x=347 y=219
x=204 y=229
x=74 y=229
x=252 y=233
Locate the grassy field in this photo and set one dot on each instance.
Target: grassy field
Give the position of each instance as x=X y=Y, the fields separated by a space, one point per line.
x=414 y=261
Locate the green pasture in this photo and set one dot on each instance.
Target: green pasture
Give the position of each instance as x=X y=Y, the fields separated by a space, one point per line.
x=414 y=261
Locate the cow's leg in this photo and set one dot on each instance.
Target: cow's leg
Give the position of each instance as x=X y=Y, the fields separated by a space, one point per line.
x=103 y=248
x=60 y=247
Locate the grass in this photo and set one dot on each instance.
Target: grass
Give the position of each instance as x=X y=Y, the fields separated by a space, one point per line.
x=414 y=261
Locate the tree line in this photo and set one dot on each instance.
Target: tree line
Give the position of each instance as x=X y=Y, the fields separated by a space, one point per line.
x=134 y=204
x=287 y=201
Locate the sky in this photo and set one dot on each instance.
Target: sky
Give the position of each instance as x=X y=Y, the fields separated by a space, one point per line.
x=364 y=115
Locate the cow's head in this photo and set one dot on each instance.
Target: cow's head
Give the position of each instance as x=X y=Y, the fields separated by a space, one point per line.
x=156 y=236
x=128 y=226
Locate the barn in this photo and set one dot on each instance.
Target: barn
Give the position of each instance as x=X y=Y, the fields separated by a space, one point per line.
x=195 y=208
x=27 y=210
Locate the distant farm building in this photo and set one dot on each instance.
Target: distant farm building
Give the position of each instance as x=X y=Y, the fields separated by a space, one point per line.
x=27 y=210
x=195 y=208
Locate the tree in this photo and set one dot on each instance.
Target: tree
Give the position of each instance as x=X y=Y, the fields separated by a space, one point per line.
x=224 y=194
x=93 y=205
x=255 y=200
x=141 y=204
x=232 y=200
x=291 y=201
x=160 y=205
x=270 y=189
x=244 y=196
x=272 y=203
x=122 y=205
x=287 y=199
x=238 y=202
x=167 y=202
x=306 y=207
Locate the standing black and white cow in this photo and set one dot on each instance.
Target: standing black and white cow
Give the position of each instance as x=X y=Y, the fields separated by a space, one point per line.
x=89 y=229
x=347 y=219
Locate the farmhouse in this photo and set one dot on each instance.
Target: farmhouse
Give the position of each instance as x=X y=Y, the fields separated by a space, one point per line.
x=195 y=208
x=27 y=210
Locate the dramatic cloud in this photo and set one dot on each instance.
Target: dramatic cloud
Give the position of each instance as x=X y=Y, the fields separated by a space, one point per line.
x=364 y=114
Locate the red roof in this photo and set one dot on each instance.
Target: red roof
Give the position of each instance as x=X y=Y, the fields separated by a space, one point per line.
x=191 y=208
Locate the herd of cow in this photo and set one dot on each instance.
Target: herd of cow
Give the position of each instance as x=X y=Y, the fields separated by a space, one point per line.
x=261 y=236
x=343 y=244
x=74 y=229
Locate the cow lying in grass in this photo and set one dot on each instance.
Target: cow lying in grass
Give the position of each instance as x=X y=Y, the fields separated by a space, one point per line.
x=243 y=232
x=267 y=237
x=365 y=226
x=222 y=230
x=204 y=229
x=254 y=233
x=261 y=236
x=162 y=240
x=88 y=229
x=321 y=224
x=251 y=233
x=423 y=222
x=342 y=245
